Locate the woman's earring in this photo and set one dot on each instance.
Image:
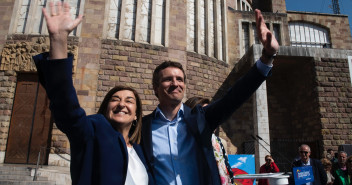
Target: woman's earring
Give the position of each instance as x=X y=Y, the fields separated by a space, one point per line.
x=134 y=123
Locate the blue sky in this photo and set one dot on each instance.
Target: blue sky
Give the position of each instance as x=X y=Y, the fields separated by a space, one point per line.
x=321 y=6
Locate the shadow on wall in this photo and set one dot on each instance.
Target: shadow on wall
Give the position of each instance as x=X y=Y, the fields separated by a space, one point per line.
x=239 y=127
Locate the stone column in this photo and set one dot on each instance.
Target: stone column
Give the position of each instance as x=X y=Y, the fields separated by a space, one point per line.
x=261 y=118
x=224 y=32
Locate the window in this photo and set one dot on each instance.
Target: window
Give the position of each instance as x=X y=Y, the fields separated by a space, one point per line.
x=113 y=20
x=249 y=35
x=191 y=25
x=255 y=35
x=211 y=32
x=162 y=9
x=245 y=36
x=239 y=5
x=350 y=67
x=277 y=32
x=243 y=5
x=206 y=25
x=146 y=15
x=202 y=21
x=308 y=35
x=29 y=19
x=132 y=20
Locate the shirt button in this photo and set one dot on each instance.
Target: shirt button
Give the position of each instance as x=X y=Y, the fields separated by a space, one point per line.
x=175 y=158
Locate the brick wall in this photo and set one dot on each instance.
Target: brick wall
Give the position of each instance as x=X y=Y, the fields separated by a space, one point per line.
x=205 y=75
x=132 y=64
x=340 y=34
x=292 y=100
x=237 y=130
x=7 y=92
x=335 y=102
x=279 y=6
x=233 y=36
x=85 y=79
x=309 y=102
x=293 y=108
x=59 y=141
x=177 y=25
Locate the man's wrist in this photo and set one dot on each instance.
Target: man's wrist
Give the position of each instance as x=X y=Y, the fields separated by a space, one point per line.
x=263 y=68
x=267 y=58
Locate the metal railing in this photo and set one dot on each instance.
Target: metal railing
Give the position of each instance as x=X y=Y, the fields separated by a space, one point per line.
x=40 y=159
x=311 y=44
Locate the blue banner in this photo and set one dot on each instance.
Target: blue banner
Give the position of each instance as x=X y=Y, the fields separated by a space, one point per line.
x=243 y=164
x=303 y=174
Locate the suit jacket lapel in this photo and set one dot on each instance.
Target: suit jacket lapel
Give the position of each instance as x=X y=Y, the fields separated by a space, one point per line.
x=190 y=122
x=194 y=123
x=146 y=142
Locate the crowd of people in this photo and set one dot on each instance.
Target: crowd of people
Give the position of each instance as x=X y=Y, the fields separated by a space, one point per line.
x=330 y=170
x=338 y=170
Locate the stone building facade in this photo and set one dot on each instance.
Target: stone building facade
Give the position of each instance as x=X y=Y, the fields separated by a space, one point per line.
x=307 y=100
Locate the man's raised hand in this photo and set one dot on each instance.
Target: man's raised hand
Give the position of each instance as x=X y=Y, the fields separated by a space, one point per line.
x=270 y=44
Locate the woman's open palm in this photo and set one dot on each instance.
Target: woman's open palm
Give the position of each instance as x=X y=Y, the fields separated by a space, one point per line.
x=60 y=22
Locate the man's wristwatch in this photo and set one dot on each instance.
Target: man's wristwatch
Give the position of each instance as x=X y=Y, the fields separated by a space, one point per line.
x=268 y=57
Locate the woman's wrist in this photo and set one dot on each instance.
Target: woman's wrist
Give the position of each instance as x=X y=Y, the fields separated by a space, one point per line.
x=58 y=47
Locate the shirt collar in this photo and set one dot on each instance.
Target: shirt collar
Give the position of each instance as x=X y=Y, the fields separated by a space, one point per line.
x=306 y=164
x=160 y=115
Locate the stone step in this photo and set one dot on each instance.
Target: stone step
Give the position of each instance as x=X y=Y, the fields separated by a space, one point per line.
x=20 y=177
x=18 y=182
x=17 y=172
x=15 y=168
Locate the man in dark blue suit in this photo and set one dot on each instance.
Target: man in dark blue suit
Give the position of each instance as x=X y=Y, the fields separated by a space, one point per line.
x=319 y=173
x=176 y=139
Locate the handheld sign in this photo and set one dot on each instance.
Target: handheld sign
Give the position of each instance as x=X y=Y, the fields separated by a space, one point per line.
x=303 y=174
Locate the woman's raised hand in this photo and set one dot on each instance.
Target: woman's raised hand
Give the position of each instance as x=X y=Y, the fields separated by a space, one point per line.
x=60 y=24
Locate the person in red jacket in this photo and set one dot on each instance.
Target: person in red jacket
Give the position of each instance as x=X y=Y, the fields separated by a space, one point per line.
x=268 y=167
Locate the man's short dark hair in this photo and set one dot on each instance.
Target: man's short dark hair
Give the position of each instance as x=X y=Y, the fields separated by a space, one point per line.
x=166 y=64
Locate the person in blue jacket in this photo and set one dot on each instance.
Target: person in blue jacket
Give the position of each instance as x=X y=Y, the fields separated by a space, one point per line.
x=105 y=147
